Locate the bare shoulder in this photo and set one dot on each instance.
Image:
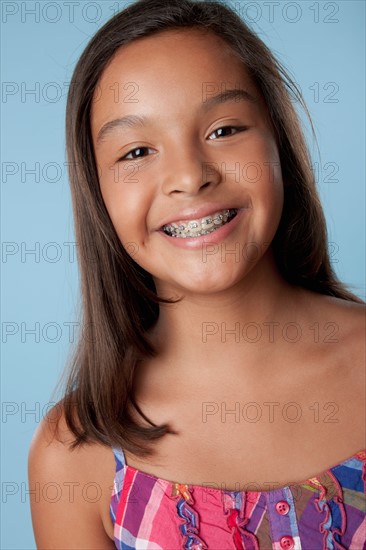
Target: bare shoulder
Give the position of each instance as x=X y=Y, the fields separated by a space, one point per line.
x=336 y=349
x=346 y=349
x=346 y=318
x=71 y=488
x=350 y=320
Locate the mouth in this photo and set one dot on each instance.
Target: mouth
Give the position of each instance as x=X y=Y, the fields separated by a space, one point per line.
x=201 y=226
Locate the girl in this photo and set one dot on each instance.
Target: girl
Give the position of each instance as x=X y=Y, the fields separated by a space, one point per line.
x=216 y=396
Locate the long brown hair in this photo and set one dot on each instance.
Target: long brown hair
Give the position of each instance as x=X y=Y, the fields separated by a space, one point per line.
x=119 y=301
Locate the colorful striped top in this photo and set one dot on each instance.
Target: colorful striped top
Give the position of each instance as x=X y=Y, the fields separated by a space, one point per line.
x=325 y=512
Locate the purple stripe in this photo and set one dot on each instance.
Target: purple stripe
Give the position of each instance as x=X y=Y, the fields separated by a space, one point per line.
x=354 y=519
x=280 y=524
x=309 y=525
x=142 y=488
x=256 y=518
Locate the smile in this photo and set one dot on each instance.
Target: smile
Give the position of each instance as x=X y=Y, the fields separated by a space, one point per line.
x=203 y=226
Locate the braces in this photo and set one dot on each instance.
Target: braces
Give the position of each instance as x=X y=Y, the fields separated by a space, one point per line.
x=219 y=220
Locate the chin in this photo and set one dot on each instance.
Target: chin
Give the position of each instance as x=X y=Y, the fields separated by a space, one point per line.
x=205 y=286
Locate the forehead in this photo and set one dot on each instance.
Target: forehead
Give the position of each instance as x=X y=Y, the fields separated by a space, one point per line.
x=186 y=62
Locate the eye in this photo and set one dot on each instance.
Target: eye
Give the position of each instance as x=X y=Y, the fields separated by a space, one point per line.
x=225 y=131
x=136 y=153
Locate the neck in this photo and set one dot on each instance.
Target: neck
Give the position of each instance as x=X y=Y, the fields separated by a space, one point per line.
x=200 y=331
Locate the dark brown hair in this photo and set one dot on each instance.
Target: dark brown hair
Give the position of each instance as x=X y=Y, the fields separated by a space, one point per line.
x=119 y=301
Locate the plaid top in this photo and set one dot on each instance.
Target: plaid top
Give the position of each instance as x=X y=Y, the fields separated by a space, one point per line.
x=325 y=512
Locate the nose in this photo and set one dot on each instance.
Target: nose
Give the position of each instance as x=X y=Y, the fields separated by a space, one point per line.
x=187 y=170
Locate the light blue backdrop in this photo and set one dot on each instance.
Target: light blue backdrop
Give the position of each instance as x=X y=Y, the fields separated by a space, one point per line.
x=321 y=43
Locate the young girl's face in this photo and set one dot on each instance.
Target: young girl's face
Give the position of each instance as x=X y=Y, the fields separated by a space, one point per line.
x=185 y=152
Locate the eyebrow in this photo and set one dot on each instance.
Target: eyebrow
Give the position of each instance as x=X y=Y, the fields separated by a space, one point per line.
x=228 y=95
x=130 y=121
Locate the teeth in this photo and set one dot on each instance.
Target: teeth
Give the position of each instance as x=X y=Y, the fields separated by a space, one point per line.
x=204 y=226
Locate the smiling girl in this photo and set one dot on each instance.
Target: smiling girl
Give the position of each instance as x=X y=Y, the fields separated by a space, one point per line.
x=216 y=397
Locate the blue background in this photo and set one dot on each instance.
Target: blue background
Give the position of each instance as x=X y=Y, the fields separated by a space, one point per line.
x=323 y=47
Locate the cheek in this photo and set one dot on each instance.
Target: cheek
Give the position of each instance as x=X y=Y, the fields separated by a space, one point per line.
x=269 y=167
x=255 y=161
x=265 y=182
x=127 y=206
x=271 y=192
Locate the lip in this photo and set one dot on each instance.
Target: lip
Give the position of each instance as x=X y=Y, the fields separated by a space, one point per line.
x=215 y=237
x=199 y=212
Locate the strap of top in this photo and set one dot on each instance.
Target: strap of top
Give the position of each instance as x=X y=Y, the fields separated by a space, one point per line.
x=118 y=481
